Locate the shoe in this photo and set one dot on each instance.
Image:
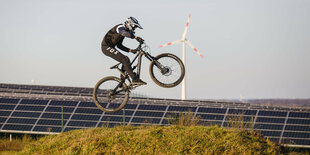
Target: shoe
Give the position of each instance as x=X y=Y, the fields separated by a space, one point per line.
x=138 y=81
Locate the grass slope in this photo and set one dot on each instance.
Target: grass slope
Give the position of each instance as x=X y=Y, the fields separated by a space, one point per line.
x=175 y=139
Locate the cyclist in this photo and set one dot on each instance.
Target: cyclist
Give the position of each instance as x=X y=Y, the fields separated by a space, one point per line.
x=115 y=37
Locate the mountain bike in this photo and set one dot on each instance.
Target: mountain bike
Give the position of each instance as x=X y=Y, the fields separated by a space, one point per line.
x=111 y=93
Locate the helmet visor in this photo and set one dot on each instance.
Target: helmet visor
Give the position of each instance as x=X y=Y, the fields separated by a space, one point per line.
x=138 y=25
x=134 y=22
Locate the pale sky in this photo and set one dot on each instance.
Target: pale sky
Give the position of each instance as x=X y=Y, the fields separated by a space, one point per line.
x=252 y=48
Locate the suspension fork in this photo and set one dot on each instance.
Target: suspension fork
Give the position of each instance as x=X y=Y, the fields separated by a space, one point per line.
x=162 y=68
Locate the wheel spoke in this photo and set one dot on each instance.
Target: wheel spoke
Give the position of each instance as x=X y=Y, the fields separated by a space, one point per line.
x=175 y=72
x=108 y=96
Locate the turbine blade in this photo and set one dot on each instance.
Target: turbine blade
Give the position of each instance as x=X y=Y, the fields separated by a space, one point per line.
x=186 y=27
x=195 y=49
x=174 y=42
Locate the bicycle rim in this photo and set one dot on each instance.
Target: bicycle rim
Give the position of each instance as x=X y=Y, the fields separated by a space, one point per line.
x=108 y=96
x=174 y=74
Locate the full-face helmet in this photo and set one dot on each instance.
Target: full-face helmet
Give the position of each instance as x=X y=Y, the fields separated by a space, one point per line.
x=132 y=23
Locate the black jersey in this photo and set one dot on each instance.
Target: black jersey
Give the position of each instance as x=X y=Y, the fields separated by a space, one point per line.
x=115 y=37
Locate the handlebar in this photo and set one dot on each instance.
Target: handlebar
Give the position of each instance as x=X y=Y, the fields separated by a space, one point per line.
x=140 y=45
x=143 y=48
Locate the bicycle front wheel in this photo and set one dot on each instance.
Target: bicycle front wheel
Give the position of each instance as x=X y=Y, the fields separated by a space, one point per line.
x=167 y=70
x=110 y=95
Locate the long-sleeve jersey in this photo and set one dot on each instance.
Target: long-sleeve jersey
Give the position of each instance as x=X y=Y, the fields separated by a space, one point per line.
x=115 y=37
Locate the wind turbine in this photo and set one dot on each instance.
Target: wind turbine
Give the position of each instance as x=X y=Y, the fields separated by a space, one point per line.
x=183 y=41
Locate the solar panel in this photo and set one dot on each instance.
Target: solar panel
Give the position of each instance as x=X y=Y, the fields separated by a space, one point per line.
x=272 y=113
x=268 y=126
x=64 y=103
x=85 y=117
x=18 y=127
x=149 y=113
x=39 y=128
x=82 y=124
x=7 y=107
x=153 y=107
x=21 y=121
x=115 y=119
x=88 y=111
x=87 y=104
x=50 y=122
x=165 y=122
x=270 y=120
x=25 y=114
x=38 y=102
x=29 y=110
x=242 y=112
x=128 y=106
x=58 y=109
x=212 y=110
x=8 y=100
x=2 y=120
x=239 y=118
x=298 y=121
x=55 y=115
x=211 y=116
x=297 y=128
x=299 y=114
x=182 y=108
x=121 y=113
x=5 y=113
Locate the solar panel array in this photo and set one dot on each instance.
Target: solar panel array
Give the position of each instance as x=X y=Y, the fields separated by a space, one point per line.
x=40 y=113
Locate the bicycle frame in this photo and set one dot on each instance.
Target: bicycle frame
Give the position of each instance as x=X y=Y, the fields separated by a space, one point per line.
x=139 y=56
x=138 y=66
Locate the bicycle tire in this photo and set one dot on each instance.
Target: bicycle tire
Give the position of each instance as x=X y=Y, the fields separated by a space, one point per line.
x=103 y=99
x=174 y=65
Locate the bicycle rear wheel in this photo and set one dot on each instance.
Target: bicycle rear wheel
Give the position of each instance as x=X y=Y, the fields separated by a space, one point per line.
x=167 y=70
x=110 y=95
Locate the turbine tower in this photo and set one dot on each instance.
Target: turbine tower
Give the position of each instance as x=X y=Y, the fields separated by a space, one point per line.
x=184 y=40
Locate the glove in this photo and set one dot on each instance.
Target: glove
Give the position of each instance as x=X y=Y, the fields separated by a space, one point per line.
x=139 y=39
x=134 y=51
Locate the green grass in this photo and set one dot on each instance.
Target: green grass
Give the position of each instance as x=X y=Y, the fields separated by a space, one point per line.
x=174 y=139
